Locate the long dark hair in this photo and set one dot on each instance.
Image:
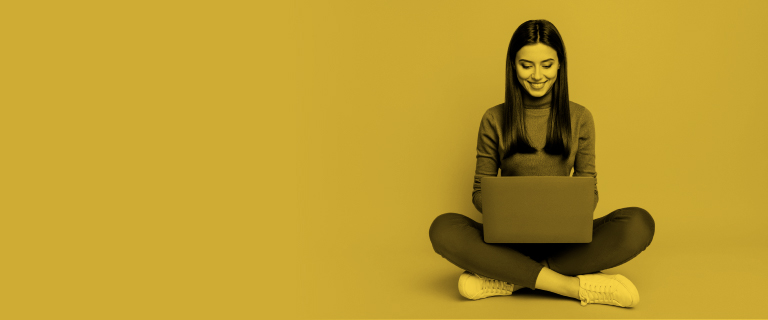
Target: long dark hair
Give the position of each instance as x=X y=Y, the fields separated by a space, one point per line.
x=513 y=119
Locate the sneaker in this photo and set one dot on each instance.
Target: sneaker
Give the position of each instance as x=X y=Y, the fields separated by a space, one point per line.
x=615 y=290
x=474 y=287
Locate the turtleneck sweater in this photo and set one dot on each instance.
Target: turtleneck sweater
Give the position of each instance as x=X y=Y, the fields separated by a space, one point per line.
x=490 y=141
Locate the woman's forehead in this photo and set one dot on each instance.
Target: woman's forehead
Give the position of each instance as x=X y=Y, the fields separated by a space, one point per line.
x=536 y=52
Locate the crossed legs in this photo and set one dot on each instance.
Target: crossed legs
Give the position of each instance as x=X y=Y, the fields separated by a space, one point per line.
x=617 y=238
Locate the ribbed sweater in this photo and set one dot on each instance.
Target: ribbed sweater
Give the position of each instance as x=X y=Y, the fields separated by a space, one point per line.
x=490 y=140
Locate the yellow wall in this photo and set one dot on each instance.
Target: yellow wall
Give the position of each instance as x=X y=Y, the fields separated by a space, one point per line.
x=391 y=95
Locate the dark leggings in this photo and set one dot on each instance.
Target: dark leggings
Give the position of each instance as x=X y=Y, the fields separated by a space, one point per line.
x=616 y=238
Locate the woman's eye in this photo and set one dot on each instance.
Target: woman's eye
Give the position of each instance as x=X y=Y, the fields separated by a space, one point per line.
x=527 y=67
x=547 y=66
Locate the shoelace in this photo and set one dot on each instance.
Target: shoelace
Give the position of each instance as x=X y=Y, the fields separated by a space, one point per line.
x=597 y=293
x=495 y=286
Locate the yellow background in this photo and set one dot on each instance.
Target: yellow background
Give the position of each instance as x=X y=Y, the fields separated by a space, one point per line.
x=242 y=159
x=391 y=96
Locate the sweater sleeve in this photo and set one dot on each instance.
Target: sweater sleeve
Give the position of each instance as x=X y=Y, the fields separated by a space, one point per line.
x=584 y=165
x=488 y=159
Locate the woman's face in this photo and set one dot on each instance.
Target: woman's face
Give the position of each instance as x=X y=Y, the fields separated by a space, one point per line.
x=537 y=67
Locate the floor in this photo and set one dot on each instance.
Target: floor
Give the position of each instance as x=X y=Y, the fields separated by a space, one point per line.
x=674 y=282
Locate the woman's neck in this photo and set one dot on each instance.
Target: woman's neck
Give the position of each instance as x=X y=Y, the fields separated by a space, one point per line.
x=531 y=102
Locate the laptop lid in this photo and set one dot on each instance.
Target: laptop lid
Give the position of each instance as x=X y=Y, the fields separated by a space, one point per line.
x=538 y=209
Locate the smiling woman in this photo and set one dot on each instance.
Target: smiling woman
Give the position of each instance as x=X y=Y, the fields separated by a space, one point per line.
x=538 y=131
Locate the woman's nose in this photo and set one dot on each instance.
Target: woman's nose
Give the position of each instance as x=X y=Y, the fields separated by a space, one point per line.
x=537 y=74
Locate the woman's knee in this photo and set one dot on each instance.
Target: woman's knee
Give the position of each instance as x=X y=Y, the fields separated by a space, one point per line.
x=442 y=231
x=641 y=227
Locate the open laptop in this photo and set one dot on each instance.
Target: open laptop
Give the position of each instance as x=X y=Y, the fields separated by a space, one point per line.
x=538 y=209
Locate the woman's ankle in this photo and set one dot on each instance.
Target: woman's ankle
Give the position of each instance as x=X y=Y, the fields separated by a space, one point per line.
x=574 y=288
x=557 y=283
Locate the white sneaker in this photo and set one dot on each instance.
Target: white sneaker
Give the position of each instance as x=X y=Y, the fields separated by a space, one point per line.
x=474 y=287
x=602 y=288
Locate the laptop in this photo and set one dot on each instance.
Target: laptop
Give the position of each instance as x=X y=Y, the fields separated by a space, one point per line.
x=538 y=209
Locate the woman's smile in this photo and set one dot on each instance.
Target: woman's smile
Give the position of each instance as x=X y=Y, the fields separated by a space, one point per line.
x=537 y=85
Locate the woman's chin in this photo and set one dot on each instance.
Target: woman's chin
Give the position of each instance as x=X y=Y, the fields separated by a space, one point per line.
x=537 y=93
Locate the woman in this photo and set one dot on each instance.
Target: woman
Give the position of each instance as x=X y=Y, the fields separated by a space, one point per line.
x=537 y=131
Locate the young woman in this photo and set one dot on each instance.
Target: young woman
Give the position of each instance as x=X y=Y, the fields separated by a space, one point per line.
x=538 y=131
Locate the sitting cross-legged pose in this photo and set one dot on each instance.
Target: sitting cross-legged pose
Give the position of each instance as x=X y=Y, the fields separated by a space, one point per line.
x=538 y=131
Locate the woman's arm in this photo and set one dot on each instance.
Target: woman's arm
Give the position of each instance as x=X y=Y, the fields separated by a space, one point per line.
x=488 y=159
x=584 y=165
